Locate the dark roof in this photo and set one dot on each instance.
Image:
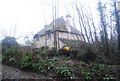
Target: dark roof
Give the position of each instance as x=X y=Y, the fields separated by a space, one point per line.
x=60 y=25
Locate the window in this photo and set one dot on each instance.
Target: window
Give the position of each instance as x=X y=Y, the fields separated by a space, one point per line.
x=36 y=37
x=48 y=33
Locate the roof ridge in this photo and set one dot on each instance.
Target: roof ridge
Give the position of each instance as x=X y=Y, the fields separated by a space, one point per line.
x=60 y=25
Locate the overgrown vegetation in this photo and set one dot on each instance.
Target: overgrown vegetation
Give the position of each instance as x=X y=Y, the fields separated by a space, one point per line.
x=61 y=66
x=64 y=72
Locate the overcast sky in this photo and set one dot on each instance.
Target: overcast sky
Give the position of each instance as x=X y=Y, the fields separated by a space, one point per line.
x=30 y=16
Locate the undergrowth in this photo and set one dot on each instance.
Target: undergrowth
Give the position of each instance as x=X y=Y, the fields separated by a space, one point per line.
x=61 y=66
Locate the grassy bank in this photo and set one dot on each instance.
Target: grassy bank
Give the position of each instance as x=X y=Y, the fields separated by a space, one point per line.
x=61 y=64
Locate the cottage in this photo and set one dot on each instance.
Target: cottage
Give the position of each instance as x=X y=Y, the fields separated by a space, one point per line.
x=59 y=33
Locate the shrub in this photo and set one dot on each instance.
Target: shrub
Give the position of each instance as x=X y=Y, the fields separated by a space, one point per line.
x=74 y=54
x=100 y=67
x=52 y=52
x=11 y=56
x=64 y=73
x=43 y=66
x=91 y=71
x=26 y=61
x=89 y=56
x=63 y=52
x=38 y=53
x=42 y=50
x=86 y=72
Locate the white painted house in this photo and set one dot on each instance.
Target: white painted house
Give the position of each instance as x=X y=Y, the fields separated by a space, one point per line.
x=64 y=32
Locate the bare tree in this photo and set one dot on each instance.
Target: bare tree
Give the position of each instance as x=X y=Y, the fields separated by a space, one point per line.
x=103 y=26
x=82 y=22
x=93 y=24
x=117 y=24
x=54 y=23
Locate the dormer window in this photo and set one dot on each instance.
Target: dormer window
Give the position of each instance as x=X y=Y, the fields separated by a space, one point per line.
x=48 y=33
x=36 y=37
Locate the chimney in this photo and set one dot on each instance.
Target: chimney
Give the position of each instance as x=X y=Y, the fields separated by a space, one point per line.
x=68 y=16
x=69 y=20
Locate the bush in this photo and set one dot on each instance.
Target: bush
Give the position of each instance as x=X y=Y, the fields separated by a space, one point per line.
x=26 y=61
x=44 y=50
x=43 y=66
x=64 y=73
x=11 y=56
x=91 y=71
x=89 y=56
x=63 y=52
x=73 y=54
x=52 y=52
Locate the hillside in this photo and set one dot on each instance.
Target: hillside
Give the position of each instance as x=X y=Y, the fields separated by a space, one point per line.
x=58 y=65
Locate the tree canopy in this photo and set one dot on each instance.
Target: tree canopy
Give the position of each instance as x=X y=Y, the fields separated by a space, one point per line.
x=8 y=42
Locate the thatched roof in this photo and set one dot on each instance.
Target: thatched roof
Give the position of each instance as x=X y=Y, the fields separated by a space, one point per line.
x=60 y=25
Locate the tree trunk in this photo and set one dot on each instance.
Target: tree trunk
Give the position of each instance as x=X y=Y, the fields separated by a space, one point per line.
x=118 y=25
x=103 y=24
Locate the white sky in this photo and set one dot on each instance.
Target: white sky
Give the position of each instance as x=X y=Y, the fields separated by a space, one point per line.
x=28 y=15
